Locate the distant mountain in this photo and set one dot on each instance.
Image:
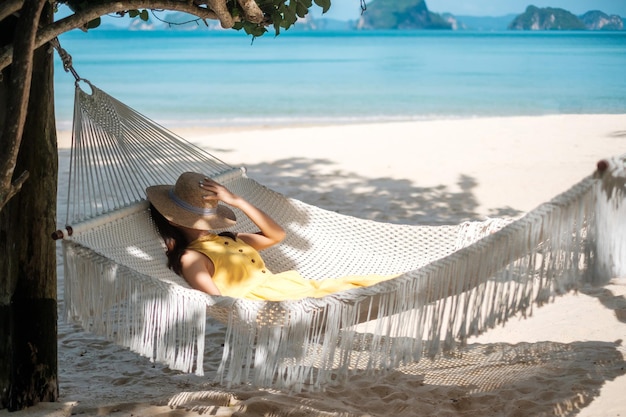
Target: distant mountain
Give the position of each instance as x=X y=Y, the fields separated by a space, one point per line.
x=401 y=14
x=547 y=18
x=550 y=18
x=597 y=20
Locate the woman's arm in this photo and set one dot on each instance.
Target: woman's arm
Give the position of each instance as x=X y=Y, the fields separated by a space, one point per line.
x=270 y=233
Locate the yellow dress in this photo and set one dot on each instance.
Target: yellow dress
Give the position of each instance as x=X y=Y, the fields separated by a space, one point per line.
x=240 y=272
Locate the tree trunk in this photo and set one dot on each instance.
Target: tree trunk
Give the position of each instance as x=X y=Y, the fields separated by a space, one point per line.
x=28 y=305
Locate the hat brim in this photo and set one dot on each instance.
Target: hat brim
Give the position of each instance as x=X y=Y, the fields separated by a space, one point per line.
x=158 y=195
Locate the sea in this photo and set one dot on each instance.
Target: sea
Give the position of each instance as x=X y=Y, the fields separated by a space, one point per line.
x=226 y=78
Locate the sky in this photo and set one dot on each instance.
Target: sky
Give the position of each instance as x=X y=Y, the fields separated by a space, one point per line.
x=351 y=9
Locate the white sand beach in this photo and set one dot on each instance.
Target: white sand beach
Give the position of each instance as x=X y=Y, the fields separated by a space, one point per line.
x=442 y=171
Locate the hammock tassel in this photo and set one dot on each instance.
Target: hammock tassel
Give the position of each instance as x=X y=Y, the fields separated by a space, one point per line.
x=611 y=223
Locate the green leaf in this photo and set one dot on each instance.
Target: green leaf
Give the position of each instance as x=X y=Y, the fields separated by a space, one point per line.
x=144 y=15
x=93 y=24
x=324 y=4
x=254 y=29
x=301 y=10
x=290 y=17
x=133 y=13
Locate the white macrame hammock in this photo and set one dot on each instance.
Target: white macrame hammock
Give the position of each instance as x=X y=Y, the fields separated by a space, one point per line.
x=454 y=280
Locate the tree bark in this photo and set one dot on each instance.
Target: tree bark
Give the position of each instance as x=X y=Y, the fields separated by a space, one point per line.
x=24 y=34
x=28 y=305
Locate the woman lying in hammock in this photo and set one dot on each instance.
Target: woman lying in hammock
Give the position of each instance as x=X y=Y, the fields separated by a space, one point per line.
x=228 y=264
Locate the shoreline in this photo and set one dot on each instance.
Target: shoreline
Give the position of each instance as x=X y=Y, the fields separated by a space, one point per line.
x=194 y=130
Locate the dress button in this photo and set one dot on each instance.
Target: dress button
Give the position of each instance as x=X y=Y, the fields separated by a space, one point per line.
x=226 y=243
x=263 y=270
x=253 y=261
x=240 y=250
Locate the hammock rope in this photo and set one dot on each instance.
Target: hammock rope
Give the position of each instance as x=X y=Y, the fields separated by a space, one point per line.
x=113 y=156
x=454 y=281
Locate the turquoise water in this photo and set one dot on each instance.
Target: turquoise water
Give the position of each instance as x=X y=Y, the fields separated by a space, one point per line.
x=224 y=79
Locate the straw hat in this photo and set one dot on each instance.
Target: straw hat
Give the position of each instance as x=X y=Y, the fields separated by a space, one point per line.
x=182 y=204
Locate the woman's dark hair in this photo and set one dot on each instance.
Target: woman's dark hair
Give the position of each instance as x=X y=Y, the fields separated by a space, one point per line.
x=174 y=239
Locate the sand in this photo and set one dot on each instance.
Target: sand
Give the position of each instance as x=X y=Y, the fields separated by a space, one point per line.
x=567 y=359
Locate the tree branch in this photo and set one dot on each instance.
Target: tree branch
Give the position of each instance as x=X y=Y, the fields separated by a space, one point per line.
x=8 y=7
x=18 y=95
x=13 y=188
x=252 y=11
x=221 y=10
x=86 y=15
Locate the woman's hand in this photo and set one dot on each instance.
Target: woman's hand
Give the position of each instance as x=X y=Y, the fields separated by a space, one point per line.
x=270 y=233
x=219 y=192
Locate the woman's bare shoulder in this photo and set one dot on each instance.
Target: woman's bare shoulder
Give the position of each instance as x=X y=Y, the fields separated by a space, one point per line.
x=191 y=256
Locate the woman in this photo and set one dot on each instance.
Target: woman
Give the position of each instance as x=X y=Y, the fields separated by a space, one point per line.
x=186 y=215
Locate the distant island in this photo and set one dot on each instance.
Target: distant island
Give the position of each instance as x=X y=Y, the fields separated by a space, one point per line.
x=401 y=14
x=415 y=15
x=548 y=18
